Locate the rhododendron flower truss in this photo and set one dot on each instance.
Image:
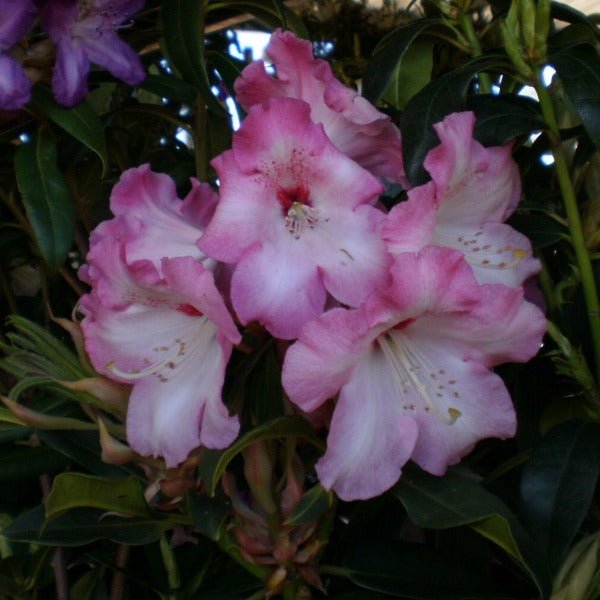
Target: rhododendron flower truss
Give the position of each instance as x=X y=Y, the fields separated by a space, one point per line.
x=15 y=19
x=294 y=215
x=351 y=122
x=159 y=323
x=473 y=190
x=85 y=32
x=412 y=367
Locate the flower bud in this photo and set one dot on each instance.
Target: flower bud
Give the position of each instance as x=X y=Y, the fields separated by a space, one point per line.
x=112 y=393
x=275 y=581
x=258 y=470
x=113 y=451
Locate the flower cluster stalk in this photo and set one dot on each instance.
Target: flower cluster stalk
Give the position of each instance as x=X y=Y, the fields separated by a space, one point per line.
x=565 y=182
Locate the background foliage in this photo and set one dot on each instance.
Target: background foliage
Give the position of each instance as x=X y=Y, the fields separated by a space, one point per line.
x=81 y=515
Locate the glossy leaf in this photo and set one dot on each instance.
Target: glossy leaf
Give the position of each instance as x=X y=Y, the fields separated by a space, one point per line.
x=311 y=507
x=541 y=229
x=184 y=40
x=209 y=515
x=412 y=74
x=214 y=462
x=80 y=121
x=441 y=97
x=558 y=485
x=267 y=11
x=46 y=197
x=412 y=571
x=167 y=86
x=502 y=118
x=578 y=67
x=459 y=499
x=388 y=54
x=82 y=526
x=569 y=14
x=22 y=462
x=76 y=490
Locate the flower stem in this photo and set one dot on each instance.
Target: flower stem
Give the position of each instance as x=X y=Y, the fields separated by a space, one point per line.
x=567 y=189
x=466 y=25
x=171 y=567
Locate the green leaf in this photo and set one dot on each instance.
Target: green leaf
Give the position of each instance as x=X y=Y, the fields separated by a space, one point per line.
x=209 y=515
x=541 y=229
x=214 y=462
x=173 y=88
x=80 y=121
x=23 y=462
x=83 y=526
x=503 y=118
x=83 y=447
x=412 y=74
x=568 y=14
x=46 y=197
x=441 y=97
x=184 y=39
x=312 y=505
x=76 y=490
x=388 y=54
x=412 y=571
x=271 y=12
x=578 y=67
x=459 y=499
x=557 y=486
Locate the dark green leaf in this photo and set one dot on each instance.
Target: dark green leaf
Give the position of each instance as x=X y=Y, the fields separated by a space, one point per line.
x=578 y=67
x=267 y=11
x=80 y=121
x=76 y=490
x=412 y=74
x=564 y=12
x=387 y=56
x=83 y=526
x=503 y=118
x=46 y=197
x=167 y=86
x=213 y=463
x=459 y=499
x=312 y=505
x=208 y=514
x=413 y=571
x=541 y=229
x=558 y=485
x=263 y=391
x=83 y=447
x=21 y=462
x=441 y=97
x=182 y=26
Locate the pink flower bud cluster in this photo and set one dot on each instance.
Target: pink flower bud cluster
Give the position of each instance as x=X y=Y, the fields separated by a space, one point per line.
x=399 y=316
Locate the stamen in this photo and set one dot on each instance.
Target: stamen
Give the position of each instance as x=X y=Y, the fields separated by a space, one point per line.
x=300 y=216
x=400 y=355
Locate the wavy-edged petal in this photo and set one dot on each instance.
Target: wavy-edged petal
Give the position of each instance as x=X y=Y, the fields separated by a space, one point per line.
x=354 y=125
x=71 y=69
x=370 y=438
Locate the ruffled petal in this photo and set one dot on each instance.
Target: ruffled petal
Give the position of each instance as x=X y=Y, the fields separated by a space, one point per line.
x=370 y=438
x=474 y=184
x=280 y=288
x=323 y=358
x=155 y=224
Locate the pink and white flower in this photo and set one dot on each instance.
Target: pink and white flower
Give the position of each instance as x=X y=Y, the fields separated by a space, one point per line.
x=159 y=323
x=412 y=368
x=473 y=191
x=295 y=217
x=351 y=122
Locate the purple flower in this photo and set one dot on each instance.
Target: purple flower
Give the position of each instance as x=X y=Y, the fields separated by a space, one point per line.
x=15 y=19
x=85 y=32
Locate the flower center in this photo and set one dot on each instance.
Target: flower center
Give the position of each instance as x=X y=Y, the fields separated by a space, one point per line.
x=297 y=209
